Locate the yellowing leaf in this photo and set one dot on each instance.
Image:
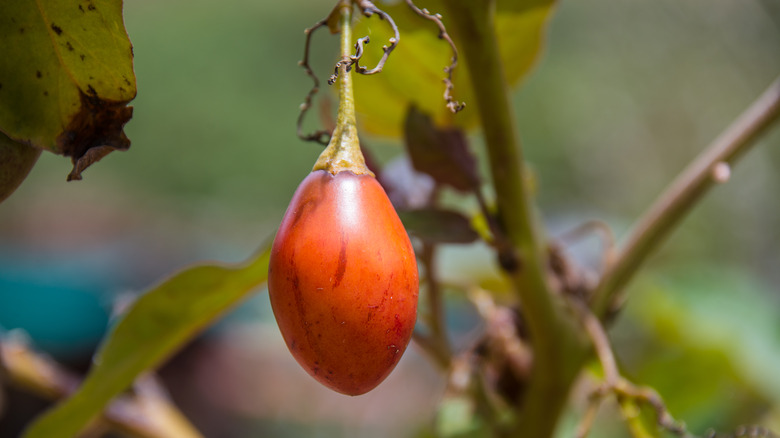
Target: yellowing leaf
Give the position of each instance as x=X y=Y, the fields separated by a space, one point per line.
x=157 y=324
x=16 y=160
x=414 y=72
x=66 y=75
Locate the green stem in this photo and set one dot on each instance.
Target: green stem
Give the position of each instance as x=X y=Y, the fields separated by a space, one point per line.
x=680 y=197
x=343 y=151
x=558 y=351
x=435 y=303
x=477 y=39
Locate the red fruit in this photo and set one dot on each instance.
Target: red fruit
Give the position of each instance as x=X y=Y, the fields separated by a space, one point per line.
x=343 y=281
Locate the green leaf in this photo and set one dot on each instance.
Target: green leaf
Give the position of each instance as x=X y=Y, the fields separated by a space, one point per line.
x=438 y=226
x=66 y=76
x=414 y=71
x=455 y=416
x=640 y=419
x=16 y=160
x=707 y=340
x=157 y=324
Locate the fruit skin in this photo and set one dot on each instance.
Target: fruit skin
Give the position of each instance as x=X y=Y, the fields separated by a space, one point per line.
x=343 y=281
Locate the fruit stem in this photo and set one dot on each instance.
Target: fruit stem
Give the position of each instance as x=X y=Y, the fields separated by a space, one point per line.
x=343 y=150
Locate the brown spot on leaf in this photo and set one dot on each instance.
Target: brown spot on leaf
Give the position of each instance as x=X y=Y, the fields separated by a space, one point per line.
x=21 y=30
x=91 y=91
x=56 y=29
x=45 y=93
x=69 y=46
x=81 y=8
x=38 y=74
x=91 y=7
x=94 y=131
x=82 y=56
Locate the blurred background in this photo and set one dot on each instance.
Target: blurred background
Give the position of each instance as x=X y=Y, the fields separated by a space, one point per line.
x=624 y=96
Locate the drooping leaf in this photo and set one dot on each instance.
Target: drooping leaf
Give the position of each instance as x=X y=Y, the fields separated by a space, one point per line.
x=441 y=153
x=156 y=325
x=413 y=74
x=66 y=76
x=438 y=226
x=16 y=160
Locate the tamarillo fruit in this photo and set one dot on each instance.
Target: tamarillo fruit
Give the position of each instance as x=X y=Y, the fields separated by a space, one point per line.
x=343 y=281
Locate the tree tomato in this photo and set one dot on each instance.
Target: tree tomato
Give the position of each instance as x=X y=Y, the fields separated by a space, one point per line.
x=343 y=281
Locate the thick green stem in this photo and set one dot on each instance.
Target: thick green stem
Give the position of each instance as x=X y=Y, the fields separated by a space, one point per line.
x=475 y=28
x=343 y=151
x=710 y=168
x=558 y=351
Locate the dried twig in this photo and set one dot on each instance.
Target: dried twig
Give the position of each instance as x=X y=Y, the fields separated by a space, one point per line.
x=320 y=136
x=452 y=104
x=148 y=413
x=368 y=9
x=501 y=334
x=614 y=383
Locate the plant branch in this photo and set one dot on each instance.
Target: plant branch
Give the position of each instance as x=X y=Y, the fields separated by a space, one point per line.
x=558 y=352
x=435 y=302
x=709 y=168
x=627 y=394
x=522 y=257
x=434 y=343
x=146 y=414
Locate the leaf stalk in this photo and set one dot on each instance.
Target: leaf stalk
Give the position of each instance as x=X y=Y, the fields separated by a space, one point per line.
x=343 y=151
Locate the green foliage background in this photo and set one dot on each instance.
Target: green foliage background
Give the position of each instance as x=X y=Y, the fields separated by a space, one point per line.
x=624 y=95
